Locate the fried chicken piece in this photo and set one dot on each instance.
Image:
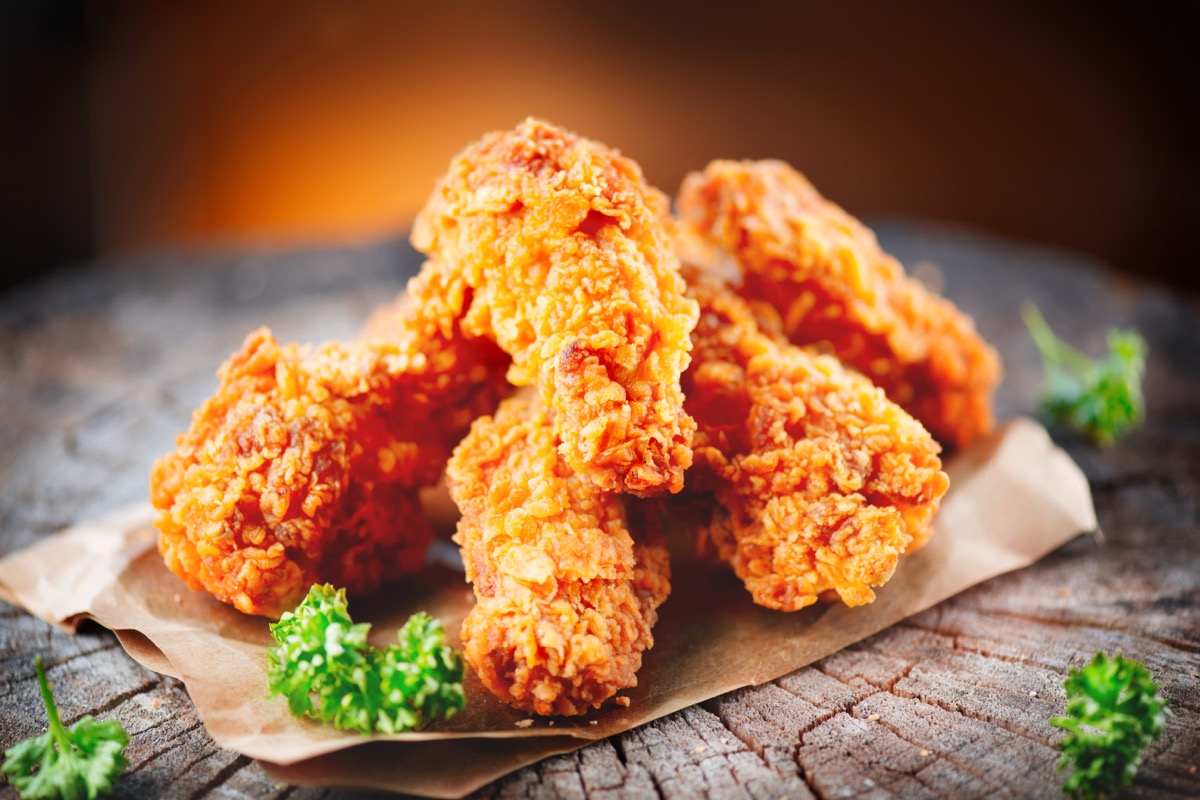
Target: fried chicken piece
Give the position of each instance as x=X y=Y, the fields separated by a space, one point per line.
x=459 y=376
x=566 y=598
x=304 y=467
x=555 y=247
x=820 y=481
x=833 y=285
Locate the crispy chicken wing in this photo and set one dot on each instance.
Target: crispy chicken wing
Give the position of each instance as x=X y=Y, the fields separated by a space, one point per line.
x=566 y=598
x=555 y=247
x=820 y=481
x=833 y=285
x=304 y=466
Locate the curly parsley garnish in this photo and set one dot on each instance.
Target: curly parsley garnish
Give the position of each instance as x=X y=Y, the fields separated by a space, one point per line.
x=1103 y=398
x=327 y=670
x=77 y=762
x=1115 y=710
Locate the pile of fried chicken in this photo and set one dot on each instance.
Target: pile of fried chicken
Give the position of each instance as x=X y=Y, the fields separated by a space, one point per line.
x=575 y=360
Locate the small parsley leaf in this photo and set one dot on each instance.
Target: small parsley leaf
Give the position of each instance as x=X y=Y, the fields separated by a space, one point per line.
x=82 y=761
x=1114 y=711
x=327 y=670
x=1100 y=398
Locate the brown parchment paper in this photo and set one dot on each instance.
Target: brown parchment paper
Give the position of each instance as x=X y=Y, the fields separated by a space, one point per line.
x=1013 y=499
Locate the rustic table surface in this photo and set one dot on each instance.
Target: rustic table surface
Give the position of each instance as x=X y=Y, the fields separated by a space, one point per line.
x=100 y=367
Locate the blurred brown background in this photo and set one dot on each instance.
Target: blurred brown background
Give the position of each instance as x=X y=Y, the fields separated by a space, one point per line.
x=132 y=124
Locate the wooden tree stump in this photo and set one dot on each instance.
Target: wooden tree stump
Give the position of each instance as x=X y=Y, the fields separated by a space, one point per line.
x=104 y=363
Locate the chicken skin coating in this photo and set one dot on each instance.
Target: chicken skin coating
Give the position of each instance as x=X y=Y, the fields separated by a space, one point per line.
x=304 y=468
x=458 y=377
x=554 y=246
x=834 y=286
x=566 y=598
x=820 y=481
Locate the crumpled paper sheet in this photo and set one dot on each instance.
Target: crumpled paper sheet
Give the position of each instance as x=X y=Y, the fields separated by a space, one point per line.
x=1013 y=499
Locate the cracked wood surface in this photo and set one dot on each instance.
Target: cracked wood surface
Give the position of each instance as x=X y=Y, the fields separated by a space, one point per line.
x=103 y=364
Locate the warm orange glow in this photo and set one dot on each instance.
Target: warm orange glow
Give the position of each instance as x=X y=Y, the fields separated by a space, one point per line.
x=207 y=130
x=309 y=120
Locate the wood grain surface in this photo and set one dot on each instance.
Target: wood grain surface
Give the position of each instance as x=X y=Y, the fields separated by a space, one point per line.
x=102 y=364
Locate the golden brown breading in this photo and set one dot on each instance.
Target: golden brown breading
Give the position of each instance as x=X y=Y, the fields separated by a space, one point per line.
x=555 y=247
x=821 y=482
x=288 y=475
x=459 y=377
x=832 y=284
x=566 y=599
x=305 y=464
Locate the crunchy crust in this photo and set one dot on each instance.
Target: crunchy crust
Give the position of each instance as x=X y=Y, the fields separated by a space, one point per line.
x=555 y=247
x=831 y=283
x=566 y=598
x=820 y=481
x=455 y=377
x=304 y=466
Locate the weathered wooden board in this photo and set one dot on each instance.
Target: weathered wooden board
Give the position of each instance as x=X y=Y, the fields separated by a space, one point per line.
x=100 y=367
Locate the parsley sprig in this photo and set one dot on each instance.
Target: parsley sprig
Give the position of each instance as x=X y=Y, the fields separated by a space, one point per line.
x=72 y=763
x=1100 y=398
x=1115 y=710
x=327 y=670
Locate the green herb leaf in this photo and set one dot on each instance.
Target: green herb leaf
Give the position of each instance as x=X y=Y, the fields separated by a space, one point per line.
x=1100 y=398
x=1115 y=710
x=327 y=670
x=82 y=761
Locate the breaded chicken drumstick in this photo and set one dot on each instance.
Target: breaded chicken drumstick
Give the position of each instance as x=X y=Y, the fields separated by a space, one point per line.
x=833 y=286
x=566 y=598
x=820 y=481
x=555 y=247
